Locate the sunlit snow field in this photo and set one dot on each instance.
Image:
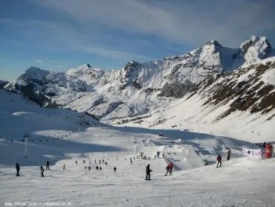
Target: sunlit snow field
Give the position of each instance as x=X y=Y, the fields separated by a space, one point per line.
x=60 y=137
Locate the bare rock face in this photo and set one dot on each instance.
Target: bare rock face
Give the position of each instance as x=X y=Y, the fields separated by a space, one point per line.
x=176 y=90
x=245 y=89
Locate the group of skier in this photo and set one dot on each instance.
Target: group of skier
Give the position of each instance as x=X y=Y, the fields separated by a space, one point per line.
x=17 y=167
x=169 y=167
x=219 y=158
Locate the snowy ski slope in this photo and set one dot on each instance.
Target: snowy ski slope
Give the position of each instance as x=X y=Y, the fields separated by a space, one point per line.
x=61 y=137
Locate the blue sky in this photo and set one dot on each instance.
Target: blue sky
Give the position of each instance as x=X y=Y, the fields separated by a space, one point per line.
x=61 y=34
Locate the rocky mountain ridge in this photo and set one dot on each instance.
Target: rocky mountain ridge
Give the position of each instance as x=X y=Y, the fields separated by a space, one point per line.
x=140 y=88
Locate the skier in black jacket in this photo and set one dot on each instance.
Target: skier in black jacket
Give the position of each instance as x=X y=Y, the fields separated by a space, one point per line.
x=47 y=165
x=148 y=172
x=17 y=169
x=42 y=171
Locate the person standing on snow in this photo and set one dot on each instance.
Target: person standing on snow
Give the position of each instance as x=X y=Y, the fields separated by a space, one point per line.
x=42 y=171
x=148 y=172
x=17 y=169
x=64 y=166
x=114 y=169
x=228 y=154
x=47 y=165
x=169 y=168
x=131 y=160
x=219 y=161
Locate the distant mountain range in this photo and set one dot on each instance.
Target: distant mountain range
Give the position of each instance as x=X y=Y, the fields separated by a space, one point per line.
x=238 y=79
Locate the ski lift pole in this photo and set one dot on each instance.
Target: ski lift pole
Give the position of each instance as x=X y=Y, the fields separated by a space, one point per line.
x=26 y=145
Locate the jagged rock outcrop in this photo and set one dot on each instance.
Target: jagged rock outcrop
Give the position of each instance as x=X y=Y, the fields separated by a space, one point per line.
x=250 y=88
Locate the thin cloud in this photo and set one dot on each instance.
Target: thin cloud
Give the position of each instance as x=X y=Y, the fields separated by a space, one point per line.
x=39 y=61
x=115 y=54
x=62 y=35
x=229 y=21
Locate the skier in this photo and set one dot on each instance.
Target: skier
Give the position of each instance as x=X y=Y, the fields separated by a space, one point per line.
x=17 y=166
x=64 y=166
x=96 y=167
x=76 y=162
x=42 y=171
x=148 y=172
x=114 y=169
x=228 y=154
x=169 y=168
x=219 y=161
x=131 y=160
x=100 y=168
x=89 y=168
x=47 y=165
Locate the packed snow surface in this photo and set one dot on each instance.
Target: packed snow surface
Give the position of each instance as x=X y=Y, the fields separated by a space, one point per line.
x=64 y=137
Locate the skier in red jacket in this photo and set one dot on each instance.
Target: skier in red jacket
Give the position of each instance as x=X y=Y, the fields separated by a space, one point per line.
x=219 y=161
x=169 y=168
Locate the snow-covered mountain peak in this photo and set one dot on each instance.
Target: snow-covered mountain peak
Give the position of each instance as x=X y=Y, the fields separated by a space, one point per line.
x=138 y=88
x=86 y=68
x=85 y=73
x=255 y=49
x=34 y=73
x=261 y=44
x=214 y=42
x=131 y=65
